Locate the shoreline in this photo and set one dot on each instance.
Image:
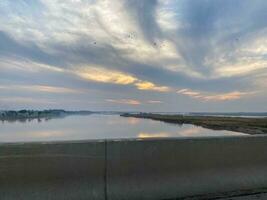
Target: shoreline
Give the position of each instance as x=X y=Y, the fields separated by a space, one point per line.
x=250 y=126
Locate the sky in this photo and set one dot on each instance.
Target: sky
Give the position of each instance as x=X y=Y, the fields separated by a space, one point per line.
x=134 y=55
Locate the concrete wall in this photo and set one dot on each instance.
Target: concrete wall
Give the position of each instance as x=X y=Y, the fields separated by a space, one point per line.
x=165 y=169
x=52 y=171
x=133 y=169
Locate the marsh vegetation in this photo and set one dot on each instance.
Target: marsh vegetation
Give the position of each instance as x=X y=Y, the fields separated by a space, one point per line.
x=237 y=124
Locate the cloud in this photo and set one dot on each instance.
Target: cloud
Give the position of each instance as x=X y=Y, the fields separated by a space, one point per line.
x=240 y=68
x=133 y=101
x=226 y=96
x=154 y=102
x=40 y=88
x=105 y=76
x=125 y=101
x=213 y=96
x=134 y=49
x=188 y=92
x=145 y=85
x=26 y=100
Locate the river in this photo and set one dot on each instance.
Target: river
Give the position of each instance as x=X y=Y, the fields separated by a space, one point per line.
x=98 y=126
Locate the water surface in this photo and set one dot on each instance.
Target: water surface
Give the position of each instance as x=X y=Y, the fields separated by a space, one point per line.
x=98 y=126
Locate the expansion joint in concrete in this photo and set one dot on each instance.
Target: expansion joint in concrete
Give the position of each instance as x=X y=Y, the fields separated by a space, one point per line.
x=105 y=170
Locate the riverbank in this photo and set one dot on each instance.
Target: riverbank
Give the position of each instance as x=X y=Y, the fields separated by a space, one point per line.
x=238 y=124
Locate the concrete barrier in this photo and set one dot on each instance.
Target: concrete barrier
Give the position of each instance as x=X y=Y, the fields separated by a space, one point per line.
x=133 y=169
x=168 y=169
x=52 y=171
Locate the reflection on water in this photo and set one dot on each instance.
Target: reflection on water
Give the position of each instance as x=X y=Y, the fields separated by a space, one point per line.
x=153 y=135
x=97 y=127
x=25 y=120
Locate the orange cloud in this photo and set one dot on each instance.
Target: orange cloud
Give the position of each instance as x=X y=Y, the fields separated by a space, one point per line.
x=145 y=85
x=103 y=75
x=213 y=97
x=106 y=76
x=226 y=96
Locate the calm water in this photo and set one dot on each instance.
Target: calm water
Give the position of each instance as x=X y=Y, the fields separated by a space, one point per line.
x=98 y=127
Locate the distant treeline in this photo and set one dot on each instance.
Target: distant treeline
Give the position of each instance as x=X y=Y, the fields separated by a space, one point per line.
x=32 y=114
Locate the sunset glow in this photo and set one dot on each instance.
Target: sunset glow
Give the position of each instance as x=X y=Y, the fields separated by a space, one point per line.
x=114 y=55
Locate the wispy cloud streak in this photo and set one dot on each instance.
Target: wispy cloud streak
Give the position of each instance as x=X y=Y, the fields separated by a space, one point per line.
x=136 y=49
